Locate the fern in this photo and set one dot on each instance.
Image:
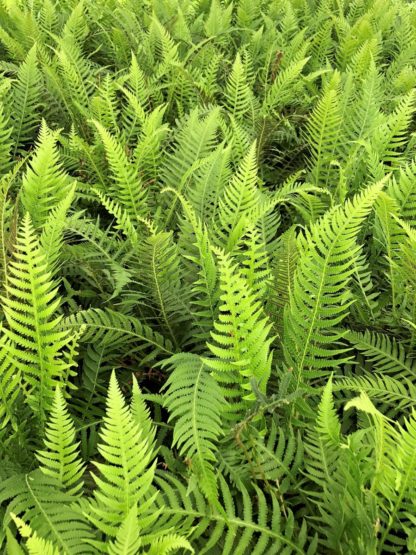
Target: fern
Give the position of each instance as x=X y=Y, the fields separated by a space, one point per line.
x=38 y=348
x=216 y=200
x=128 y=537
x=127 y=472
x=61 y=460
x=324 y=133
x=241 y=341
x=38 y=499
x=45 y=184
x=107 y=327
x=320 y=298
x=26 y=100
x=239 y=530
x=238 y=95
x=239 y=202
x=195 y=403
x=127 y=188
x=384 y=353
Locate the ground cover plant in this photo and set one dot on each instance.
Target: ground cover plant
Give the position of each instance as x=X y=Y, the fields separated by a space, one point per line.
x=208 y=277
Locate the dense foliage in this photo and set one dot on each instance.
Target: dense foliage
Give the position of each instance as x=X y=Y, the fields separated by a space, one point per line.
x=208 y=277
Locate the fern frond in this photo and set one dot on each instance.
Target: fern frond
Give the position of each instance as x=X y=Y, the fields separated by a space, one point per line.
x=169 y=543
x=44 y=184
x=320 y=296
x=34 y=544
x=396 y=394
x=166 y=290
x=107 y=327
x=194 y=141
x=241 y=340
x=384 y=353
x=323 y=133
x=51 y=239
x=51 y=513
x=195 y=404
x=257 y=526
x=403 y=191
x=238 y=95
x=127 y=541
x=38 y=348
x=9 y=386
x=61 y=458
x=127 y=188
x=5 y=142
x=126 y=475
x=239 y=202
x=26 y=101
x=284 y=88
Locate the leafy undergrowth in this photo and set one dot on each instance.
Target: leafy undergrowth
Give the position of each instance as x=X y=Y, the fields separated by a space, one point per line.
x=208 y=277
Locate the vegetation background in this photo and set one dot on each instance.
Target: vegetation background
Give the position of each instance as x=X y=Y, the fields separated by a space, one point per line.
x=208 y=277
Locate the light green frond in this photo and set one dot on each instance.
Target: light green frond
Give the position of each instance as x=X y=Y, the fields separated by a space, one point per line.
x=403 y=190
x=38 y=348
x=61 y=459
x=9 y=386
x=141 y=416
x=123 y=220
x=45 y=184
x=238 y=95
x=323 y=133
x=169 y=543
x=241 y=341
x=127 y=541
x=126 y=475
x=239 y=202
x=35 y=545
x=51 y=239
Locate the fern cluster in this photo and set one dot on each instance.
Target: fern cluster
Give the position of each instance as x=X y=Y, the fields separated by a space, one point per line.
x=207 y=277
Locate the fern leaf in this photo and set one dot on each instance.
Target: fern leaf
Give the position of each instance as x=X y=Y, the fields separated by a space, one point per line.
x=241 y=341
x=239 y=98
x=38 y=349
x=126 y=474
x=239 y=202
x=324 y=133
x=320 y=297
x=51 y=239
x=34 y=544
x=127 y=187
x=61 y=458
x=26 y=100
x=195 y=140
x=45 y=184
x=108 y=327
x=51 y=513
x=195 y=403
x=127 y=541
x=386 y=355
x=254 y=523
